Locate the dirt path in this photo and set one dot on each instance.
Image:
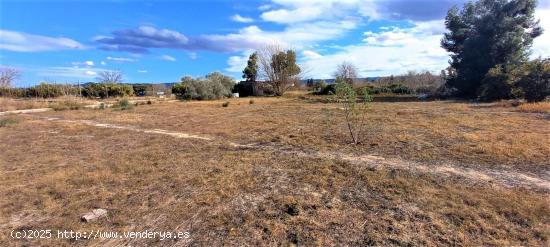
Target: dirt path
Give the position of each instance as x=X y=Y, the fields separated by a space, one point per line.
x=504 y=177
x=26 y=111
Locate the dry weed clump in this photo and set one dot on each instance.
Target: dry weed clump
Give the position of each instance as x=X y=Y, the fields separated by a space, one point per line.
x=538 y=107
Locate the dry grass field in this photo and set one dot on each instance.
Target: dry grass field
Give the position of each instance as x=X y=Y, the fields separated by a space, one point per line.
x=280 y=171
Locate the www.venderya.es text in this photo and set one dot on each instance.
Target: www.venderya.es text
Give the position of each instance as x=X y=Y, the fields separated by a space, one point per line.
x=96 y=234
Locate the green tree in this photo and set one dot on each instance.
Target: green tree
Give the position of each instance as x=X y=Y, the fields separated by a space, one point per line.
x=250 y=73
x=279 y=68
x=484 y=35
x=533 y=80
x=213 y=86
x=285 y=68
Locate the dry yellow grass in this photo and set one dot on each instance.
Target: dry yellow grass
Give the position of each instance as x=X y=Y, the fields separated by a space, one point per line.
x=9 y=104
x=54 y=171
x=538 y=107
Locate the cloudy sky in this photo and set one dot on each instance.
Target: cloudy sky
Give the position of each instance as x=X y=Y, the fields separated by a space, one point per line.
x=161 y=41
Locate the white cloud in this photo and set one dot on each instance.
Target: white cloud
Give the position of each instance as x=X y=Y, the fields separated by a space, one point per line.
x=389 y=52
x=311 y=54
x=193 y=55
x=120 y=59
x=65 y=73
x=168 y=58
x=289 y=11
x=239 y=18
x=541 y=45
x=142 y=71
x=301 y=14
x=83 y=64
x=103 y=63
x=24 y=42
x=265 y=7
x=237 y=63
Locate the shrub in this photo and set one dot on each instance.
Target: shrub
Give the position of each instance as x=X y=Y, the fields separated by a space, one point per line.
x=213 y=86
x=45 y=90
x=149 y=102
x=400 y=89
x=123 y=105
x=13 y=92
x=225 y=104
x=251 y=101
x=101 y=106
x=103 y=90
x=329 y=89
x=533 y=80
x=120 y=90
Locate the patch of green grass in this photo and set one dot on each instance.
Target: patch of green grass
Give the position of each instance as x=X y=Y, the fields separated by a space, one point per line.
x=65 y=105
x=8 y=121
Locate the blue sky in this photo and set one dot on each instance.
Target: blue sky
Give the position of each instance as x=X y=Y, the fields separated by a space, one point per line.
x=161 y=41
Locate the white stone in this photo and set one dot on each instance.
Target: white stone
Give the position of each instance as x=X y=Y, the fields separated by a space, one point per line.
x=94 y=215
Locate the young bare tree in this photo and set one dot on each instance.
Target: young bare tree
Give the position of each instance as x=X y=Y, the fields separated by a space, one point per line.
x=278 y=67
x=109 y=76
x=8 y=77
x=346 y=71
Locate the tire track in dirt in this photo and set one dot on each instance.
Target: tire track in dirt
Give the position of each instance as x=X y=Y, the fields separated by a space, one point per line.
x=507 y=178
x=132 y=128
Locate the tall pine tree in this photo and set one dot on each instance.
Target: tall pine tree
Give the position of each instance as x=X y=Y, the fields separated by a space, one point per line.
x=487 y=34
x=250 y=73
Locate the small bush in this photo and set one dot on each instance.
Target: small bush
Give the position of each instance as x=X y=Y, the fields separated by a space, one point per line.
x=8 y=121
x=225 y=104
x=251 y=101
x=400 y=89
x=123 y=105
x=329 y=89
x=149 y=102
x=102 y=106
